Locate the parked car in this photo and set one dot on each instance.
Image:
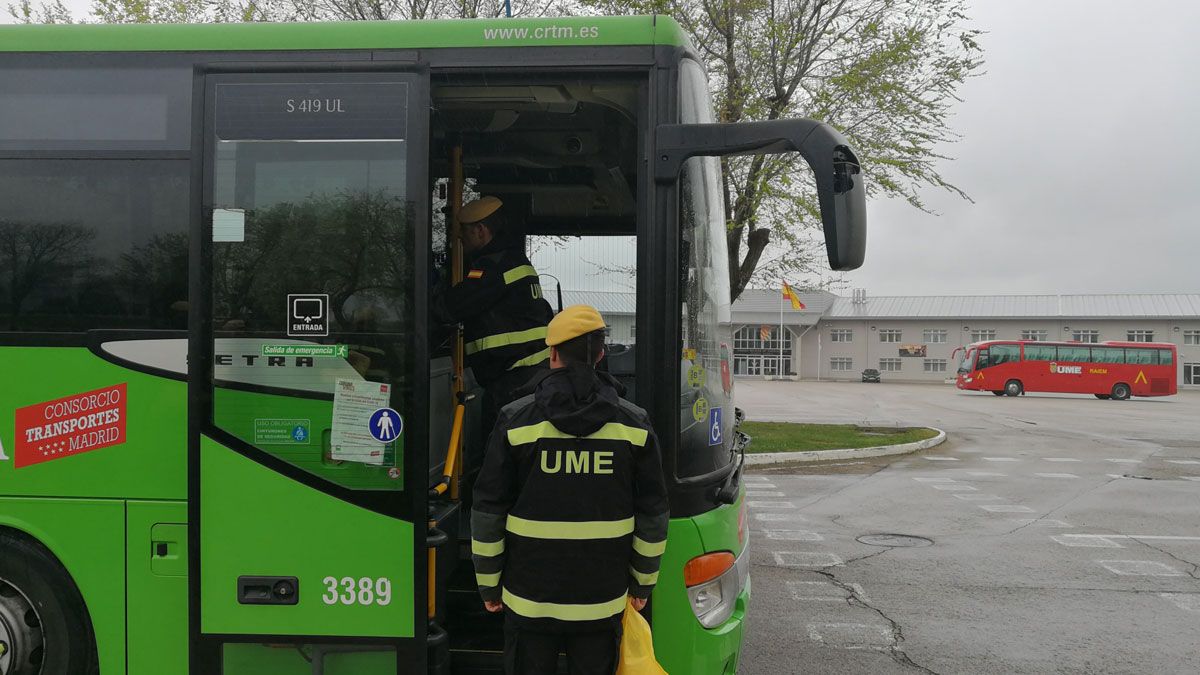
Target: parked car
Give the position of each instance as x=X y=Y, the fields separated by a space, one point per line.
x=870 y=375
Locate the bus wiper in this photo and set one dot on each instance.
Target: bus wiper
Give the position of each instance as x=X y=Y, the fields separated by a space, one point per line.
x=728 y=492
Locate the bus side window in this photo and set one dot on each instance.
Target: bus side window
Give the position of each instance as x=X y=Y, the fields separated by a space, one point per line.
x=1164 y=357
x=983 y=361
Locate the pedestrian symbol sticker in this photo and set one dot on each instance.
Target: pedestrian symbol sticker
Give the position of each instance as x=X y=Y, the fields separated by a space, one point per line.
x=700 y=409
x=716 y=434
x=386 y=425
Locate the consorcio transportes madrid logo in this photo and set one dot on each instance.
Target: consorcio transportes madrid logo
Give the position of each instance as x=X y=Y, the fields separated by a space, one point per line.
x=69 y=426
x=1056 y=369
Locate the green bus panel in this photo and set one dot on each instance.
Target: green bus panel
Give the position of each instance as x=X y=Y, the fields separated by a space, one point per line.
x=88 y=538
x=557 y=32
x=681 y=644
x=150 y=464
x=156 y=579
x=260 y=523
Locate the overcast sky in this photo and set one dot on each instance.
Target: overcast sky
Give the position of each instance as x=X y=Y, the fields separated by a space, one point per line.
x=1078 y=148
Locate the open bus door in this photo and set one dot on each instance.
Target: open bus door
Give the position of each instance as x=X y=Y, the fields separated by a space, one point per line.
x=308 y=408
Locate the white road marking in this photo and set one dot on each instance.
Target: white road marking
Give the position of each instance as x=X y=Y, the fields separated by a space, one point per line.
x=793 y=535
x=954 y=488
x=853 y=636
x=1005 y=508
x=761 y=486
x=1195 y=478
x=765 y=493
x=822 y=591
x=760 y=504
x=1140 y=568
x=805 y=559
x=1001 y=459
x=987 y=474
x=1148 y=537
x=1056 y=475
x=1061 y=459
x=1085 y=541
x=1048 y=522
x=1124 y=461
x=933 y=479
x=975 y=497
x=1189 y=602
x=1182 y=461
x=777 y=517
x=1114 y=475
x=942 y=459
x=756 y=479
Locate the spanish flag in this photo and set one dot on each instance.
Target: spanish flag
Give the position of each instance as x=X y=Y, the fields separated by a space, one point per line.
x=764 y=333
x=789 y=294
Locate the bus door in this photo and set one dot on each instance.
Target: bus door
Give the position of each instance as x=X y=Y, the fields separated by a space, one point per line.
x=307 y=374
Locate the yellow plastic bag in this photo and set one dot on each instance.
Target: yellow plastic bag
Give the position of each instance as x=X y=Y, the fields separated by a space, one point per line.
x=637 y=645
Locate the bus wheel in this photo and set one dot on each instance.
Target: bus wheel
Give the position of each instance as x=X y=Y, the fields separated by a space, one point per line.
x=1103 y=397
x=1013 y=388
x=44 y=627
x=1120 y=391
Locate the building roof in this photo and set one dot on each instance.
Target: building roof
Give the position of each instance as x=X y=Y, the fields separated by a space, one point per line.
x=1158 y=305
x=757 y=305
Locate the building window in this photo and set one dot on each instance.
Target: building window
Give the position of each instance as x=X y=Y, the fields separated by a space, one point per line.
x=1086 y=336
x=1035 y=335
x=1140 y=336
x=841 y=335
x=754 y=355
x=1191 y=373
x=889 y=335
x=1191 y=337
x=889 y=365
x=841 y=364
x=934 y=335
x=983 y=335
x=935 y=365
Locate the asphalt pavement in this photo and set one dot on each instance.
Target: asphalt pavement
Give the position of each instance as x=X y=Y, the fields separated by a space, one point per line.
x=1049 y=534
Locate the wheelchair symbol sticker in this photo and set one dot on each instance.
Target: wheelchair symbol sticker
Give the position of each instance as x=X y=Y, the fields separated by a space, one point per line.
x=716 y=434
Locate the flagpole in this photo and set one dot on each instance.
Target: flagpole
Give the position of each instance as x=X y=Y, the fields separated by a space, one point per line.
x=781 y=368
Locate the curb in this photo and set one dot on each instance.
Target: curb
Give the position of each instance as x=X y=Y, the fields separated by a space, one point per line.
x=767 y=458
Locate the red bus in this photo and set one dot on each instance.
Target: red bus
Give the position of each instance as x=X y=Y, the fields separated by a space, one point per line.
x=1115 y=370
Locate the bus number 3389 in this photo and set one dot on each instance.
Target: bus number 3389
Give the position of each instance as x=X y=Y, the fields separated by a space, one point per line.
x=361 y=591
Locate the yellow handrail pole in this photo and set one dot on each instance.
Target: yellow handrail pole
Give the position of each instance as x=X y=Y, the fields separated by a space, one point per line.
x=432 y=595
x=456 y=275
x=453 y=452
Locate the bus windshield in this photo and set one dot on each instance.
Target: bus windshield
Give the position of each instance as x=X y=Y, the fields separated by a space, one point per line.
x=968 y=359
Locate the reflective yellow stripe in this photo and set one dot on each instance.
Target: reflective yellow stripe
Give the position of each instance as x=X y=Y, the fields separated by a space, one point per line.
x=505 y=339
x=553 y=610
x=567 y=529
x=519 y=273
x=609 y=432
x=486 y=549
x=490 y=580
x=643 y=579
x=532 y=359
x=648 y=549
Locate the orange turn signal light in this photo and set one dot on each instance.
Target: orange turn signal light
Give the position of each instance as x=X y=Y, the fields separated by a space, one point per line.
x=707 y=567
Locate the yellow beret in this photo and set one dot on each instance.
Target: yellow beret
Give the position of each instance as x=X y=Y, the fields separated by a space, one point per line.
x=478 y=209
x=572 y=322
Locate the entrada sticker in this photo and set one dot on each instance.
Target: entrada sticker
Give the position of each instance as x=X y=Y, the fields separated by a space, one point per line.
x=70 y=426
x=308 y=315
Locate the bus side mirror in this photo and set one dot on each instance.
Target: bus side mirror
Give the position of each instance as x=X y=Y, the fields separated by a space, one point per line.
x=840 y=188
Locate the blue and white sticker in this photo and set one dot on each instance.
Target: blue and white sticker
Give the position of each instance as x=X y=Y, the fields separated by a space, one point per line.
x=386 y=425
x=716 y=433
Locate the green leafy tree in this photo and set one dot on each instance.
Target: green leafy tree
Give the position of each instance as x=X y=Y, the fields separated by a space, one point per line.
x=884 y=72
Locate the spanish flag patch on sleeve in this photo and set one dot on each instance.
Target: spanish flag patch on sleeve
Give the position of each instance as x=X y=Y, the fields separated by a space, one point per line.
x=475 y=274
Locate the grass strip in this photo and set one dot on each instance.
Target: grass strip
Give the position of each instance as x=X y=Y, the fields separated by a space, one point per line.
x=791 y=437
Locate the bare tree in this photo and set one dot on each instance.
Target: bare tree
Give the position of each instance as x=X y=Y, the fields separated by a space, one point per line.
x=36 y=255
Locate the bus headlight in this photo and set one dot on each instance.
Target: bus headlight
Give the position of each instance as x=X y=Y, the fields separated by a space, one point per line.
x=714 y=581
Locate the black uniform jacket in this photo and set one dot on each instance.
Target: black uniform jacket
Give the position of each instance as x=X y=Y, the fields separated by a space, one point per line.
x=570 y=509
x=500 y=304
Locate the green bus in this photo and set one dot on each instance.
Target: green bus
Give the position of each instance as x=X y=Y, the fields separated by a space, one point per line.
x=217 y=245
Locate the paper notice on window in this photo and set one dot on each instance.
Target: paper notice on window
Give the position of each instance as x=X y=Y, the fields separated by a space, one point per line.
x=229 y=225
x=354 y=402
